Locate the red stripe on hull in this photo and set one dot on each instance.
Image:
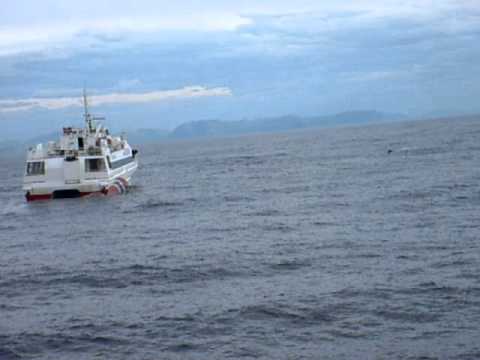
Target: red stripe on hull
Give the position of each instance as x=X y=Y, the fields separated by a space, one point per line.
x=91 y=193
x=112 y=190
x=39 y=197
x=31 y=197
x=119 y=187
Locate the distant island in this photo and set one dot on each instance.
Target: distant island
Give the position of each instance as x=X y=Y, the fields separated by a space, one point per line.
x=223 y=128
x=219 y=128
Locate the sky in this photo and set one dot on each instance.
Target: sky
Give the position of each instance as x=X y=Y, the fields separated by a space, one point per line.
x=157 y=64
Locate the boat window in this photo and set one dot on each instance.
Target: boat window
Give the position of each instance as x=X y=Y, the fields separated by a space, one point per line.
x=94 y=165
x=35 y=168
x=80 y=143
x=119 y=163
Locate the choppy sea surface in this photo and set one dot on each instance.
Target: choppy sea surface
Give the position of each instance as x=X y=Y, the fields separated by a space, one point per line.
x=317 y=244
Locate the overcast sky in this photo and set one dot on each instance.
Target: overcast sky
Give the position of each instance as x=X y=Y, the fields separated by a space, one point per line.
x=157 y=63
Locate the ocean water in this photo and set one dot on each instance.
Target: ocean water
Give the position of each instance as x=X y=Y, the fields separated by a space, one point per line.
x=317 y=244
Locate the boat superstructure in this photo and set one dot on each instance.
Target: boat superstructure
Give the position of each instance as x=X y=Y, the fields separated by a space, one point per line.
x=84 y=161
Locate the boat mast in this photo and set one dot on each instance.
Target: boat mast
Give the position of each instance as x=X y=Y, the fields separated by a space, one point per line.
x=88 y=117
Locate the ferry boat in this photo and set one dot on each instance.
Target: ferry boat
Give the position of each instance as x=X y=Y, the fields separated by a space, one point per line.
x=83 y=162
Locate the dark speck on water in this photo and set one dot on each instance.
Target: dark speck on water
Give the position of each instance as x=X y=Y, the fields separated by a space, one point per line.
x=304 y=245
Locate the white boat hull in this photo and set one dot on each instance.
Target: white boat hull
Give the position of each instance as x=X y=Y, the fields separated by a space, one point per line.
x=117 y=182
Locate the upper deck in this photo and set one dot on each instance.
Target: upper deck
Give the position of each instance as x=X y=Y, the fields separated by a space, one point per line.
x=78 y=143
x=93 y=140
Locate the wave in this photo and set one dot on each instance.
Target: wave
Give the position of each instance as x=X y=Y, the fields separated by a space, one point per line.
x=34 y=344
x=115 y=278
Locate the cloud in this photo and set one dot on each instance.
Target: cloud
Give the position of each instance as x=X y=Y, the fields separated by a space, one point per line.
x=17 y=39
x=113 y=98
x=31 y=27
